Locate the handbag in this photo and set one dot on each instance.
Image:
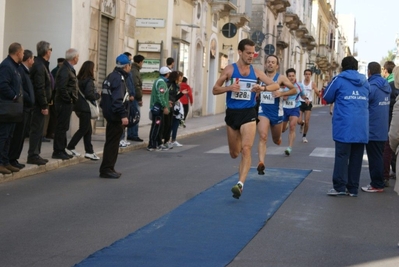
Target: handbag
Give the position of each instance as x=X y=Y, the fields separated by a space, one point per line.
x=94 y=110
x=134 y=114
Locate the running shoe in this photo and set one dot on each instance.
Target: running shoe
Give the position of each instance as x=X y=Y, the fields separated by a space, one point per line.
x=304 y=140
x=92 y=156
x=237 y=190
x=72 y=152
x=122 y=143
x=371 y=189
x=175 y=143
x=288 y=151
x=261 y=168
x=333 y=192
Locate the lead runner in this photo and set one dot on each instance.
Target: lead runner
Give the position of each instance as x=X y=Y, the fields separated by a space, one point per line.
x=240 y=82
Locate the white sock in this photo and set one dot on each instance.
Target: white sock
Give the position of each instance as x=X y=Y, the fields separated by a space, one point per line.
x=242 y=185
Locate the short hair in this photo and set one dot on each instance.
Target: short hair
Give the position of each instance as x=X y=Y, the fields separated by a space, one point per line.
x=349 y=63
x=174 y=75
x=184 y=80
x=278 y=61
x=14 y=48
x=290 y=70
x=138 y=58
x=395 y=72
x=244 y=42
x=71 y=53
x=389 y=65
x=374 y=68
x=27 y=55
x=86 y=71
x=42 y=47
x=169 y=61
x=311 y=72
x=127 y=54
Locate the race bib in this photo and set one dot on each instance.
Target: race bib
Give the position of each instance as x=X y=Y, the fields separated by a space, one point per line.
x=289 y=103
x=266 y=98
x=245 y=91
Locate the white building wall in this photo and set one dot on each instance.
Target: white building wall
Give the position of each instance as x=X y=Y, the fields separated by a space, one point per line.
x=2 y=20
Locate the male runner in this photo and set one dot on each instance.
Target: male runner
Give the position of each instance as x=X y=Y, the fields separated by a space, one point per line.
x=241 y=87
x=306 y=105
x=270 y=112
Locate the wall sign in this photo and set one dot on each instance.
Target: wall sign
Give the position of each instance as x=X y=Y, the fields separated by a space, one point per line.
x=108 y=8
x=149 y=47
x=150 y=22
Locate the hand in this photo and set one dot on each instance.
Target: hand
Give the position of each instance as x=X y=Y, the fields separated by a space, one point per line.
x=235 y=87
x=170 y=104
x=45 y=111
x=185 y=91
x=277 y=93
x=140 y=103
x=165 y=111
x=125 y=121
x=257 y=88
x=131 y=98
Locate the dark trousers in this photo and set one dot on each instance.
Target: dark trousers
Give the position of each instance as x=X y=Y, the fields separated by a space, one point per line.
x=36 y=132
x=51 y=122
x=18 y=138
x=63 y=111
x=6 y=131
x=113 y=132
x=155 y=138
x=375 y=150
x=347 y=166
x=84 y=131
x=175 y=127
x=167 y=126
x=185 y=108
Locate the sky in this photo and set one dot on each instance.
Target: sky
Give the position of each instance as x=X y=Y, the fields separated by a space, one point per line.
x=376 y=25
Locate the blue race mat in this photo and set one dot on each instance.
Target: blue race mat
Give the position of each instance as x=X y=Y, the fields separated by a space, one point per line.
x=208 y=230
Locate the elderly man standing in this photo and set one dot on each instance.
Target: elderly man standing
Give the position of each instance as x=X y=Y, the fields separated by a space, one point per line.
x=41 y=80
x=66 y=94
x=114 y=111
x=11 y=103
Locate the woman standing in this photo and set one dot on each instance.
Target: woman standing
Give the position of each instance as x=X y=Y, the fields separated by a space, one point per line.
x=187 y=99
x=87 y=92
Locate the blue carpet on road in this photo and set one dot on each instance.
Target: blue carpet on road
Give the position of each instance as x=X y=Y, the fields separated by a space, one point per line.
x=208 y=230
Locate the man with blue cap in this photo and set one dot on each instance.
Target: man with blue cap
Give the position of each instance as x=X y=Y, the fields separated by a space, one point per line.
x=114 y=111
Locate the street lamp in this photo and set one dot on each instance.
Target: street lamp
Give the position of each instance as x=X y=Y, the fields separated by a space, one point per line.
x=279 y=31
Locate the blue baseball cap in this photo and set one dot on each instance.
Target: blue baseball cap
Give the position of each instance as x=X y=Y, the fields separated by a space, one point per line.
x=122 y=59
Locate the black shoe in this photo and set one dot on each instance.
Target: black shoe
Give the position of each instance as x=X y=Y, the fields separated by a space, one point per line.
x=16 y=164
x=60 y=155
x=44 y=139
x=36 y=160
x=110 y=175
x=136 y=139
x=45 y=160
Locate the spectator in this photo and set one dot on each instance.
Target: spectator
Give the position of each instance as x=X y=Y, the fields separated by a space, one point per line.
x=115 y=114
x=378 y=127
x=88 y=92
x=170 y=63
x=66 y=94
x=138 y=60
x=11 y=103
x=159 y=106
x=187 y=100
x=17 y=141
x=349 y=91
x=41 y=80
x=387 y=71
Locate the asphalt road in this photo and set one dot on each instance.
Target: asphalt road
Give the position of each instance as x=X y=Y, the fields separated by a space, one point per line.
x=60 y=217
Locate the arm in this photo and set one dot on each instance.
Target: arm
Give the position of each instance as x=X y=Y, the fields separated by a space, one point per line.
x=219 y=89
x=394 y=128
x=283 y=80
x=89 y=91
x=270 y=84
x=314 y=87
x=61 y=84
x=39 y=83
x=6 y=75
x=329 y=92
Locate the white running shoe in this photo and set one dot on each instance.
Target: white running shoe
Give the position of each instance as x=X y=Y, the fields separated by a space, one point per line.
x=92 y=156
x=304 y=140
x=122 y=143
x=72 y=152
x=175 y=143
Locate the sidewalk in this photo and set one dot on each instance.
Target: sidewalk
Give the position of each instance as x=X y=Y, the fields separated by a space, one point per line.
x=194 y=125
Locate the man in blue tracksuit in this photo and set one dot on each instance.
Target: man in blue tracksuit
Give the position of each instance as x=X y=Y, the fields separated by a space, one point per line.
x=349 y=91
x=379 y=100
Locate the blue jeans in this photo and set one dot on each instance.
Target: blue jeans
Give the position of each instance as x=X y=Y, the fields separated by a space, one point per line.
x=375 y=150
x=133 y=132
x=347 y=166
x=175 y=127
x=6 y=132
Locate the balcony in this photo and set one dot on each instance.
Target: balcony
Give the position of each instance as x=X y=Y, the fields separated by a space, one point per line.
x=239 y=19
x=301 y=31
x=223 y=7
x=278 y=6
x=292 y=20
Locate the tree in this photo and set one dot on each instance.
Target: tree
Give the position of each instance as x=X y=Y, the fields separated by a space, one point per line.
x=390 y=57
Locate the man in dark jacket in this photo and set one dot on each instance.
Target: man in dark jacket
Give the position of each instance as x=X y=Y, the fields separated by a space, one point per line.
x=378 y=127
x=41 y=80
x=17 y=141
x=66 y=94
x=11 y=103
x=113 y=92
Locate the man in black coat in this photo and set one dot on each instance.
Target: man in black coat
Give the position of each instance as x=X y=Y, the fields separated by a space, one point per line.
x=66 y=94
x=11 y=103
x=17 y=141
x=41 y=80
x=114 y=111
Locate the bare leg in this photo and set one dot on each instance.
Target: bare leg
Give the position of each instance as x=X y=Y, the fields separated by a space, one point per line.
x=293 y=121
x=307 y=120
